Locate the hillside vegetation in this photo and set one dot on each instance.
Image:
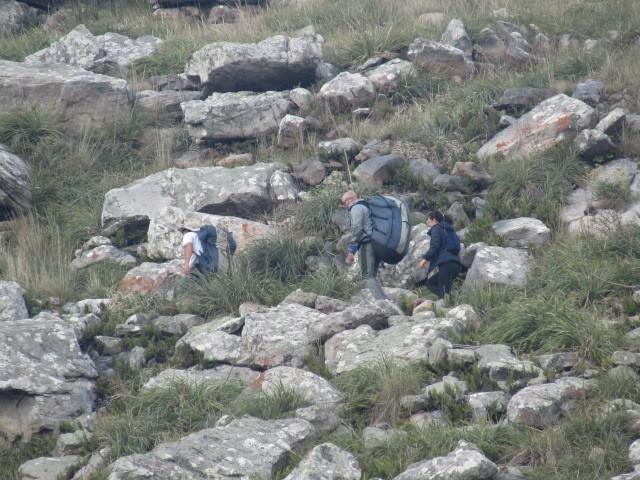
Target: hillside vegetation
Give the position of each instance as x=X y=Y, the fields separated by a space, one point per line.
x=579 y=297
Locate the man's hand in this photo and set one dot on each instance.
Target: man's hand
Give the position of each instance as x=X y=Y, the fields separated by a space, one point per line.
x=351 y=257
x=185 y=269
x=423 y=262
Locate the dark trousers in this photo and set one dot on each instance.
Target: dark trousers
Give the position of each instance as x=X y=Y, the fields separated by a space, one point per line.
x=440 y=283
x=369 y=269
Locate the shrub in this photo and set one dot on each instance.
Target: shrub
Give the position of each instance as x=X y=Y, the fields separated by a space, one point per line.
x=373 y=391
x=550 y=322
x=27 y=127
x=12 y=457
x=612 y=194
x=314 y=214
x=328 y=282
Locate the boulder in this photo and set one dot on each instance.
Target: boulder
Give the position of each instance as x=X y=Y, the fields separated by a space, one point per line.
x=466 y=462
x=437 y=58
x=311 y=171
x=490 y=47
x=499 y=266
x=613 y=122
x=165 y=241
x=48 y=468
x=109 y=54
x=193 y=377
x=522 y=232
x=473 y=173
x=592 y=145
x=17 y=16
x=103 y=254
x=45 y=379
x=327 y=462
x=12 y=305
x=277 y=63
x=232 y=116
x=291 y=131
x=80 y=97
x=338 y=149
x=377 y=171
x=166 y=102
x=523 y=98
x=258 y=449
x=348 y=91
x=241 y=191
x=388 y=75
x=456 y=36
x=148 y=277
x=588 y=91
x=541 y=128
x=540 y=406
x=15 y=190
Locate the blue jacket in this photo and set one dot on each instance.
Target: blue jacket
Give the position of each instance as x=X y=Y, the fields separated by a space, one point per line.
x=361 y=225
x=437 y=253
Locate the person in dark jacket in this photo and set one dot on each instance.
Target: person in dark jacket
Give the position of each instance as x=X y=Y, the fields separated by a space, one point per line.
x=447 y=263
x=361 y=229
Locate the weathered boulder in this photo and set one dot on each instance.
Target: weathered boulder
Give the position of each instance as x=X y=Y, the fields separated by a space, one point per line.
x=148 y=277
x=80 y=97
x=286 y=334
x=338 y=149
x=490 y=47
x=472 y=173
x=164 y=241
x=593 y=145
x=516 y=99
x=466 y=462
x=541 y=128
x=241 y=191
x=193 y=377
x=215 y=345
x=12 y=305
x=327 y=462
x=259 y=448
x=277 y=63
x=109 y=54
x=407 y=272
x=539 y=406
x=456 y=36
x=45 y=378
x=16 y=16
x=48 y=468
x=310 y=386
x=389 y=75
x=406 y=341
x=230 y=116
x=613 y=122
x=377 y=171
x=437 y=58
x=519 y=51
x=103 y=254
x=166 y=102
x=485 y=402
x=348 y=91
x=311 y=171
x=522 y=232
x=588 y=91
x=291 y=131
x=499 y=266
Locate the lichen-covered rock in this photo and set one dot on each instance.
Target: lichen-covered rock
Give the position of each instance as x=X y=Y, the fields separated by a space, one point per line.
x=12 y=305
x=522 y=232
x=499 y=266
x=327 y=462
x=348 y=91
x=15 y=190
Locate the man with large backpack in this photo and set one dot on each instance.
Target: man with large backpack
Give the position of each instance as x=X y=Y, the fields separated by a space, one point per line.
x=361 y=231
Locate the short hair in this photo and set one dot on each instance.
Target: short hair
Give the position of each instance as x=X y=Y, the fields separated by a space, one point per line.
x=436 y=215
x=184 y=230
x=348 y=194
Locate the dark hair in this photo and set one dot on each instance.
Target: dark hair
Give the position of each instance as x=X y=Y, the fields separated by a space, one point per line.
x=448 y=218
x=436 y=215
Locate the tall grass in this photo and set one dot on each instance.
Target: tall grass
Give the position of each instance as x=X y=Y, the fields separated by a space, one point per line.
x=27 y=127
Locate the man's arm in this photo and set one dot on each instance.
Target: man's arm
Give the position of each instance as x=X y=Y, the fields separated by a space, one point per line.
x=188 y=251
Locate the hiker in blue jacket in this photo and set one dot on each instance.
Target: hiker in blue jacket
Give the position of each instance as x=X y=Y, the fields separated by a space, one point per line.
x=361 y=229
x=443 y=262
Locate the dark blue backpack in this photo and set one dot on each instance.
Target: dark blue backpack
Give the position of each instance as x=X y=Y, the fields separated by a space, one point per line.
x=452 y=241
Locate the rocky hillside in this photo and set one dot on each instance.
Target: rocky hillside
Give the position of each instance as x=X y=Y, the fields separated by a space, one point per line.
x=123 y=121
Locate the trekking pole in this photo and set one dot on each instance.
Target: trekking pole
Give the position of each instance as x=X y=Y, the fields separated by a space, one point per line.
x=346 y=161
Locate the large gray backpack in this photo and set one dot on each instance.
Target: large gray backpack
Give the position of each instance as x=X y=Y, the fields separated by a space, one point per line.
x=391 y=228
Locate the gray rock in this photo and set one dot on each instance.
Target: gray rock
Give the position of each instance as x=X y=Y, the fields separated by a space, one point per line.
x=542 y=405
x=12 y=305
x=277 y=63
x=15 y=190
x=433 y=57
x=291 y=131
x=242 y=192
x=338 y=149
x=45 y=468
x=259 y=448
x=423 y=169
x=109 y=345
x=302 y=98
x=388 y=75
x=327 y=462
x=629 y=359
x=311 y=171
x=348 y=91
x=498 y=266
x=233 y=116
x=612 y=123
x=216 y=346
x=456 y=36
x=485 y=402
x=70 y=443
x=177 y=324
x=466 y=462
x=541 y=127
x=109 y=54
x=103 y=254
x=588 y=91
x=593 y=145
x=378 y=170
x=81 y=98
x=473 y=173
x=450 y=183
x=522 y=232
x=166 y=102
x=17 y=16
x=193 y=377
x=490 y=47
x=44 y=377
x=515 y=99
x=158 y=278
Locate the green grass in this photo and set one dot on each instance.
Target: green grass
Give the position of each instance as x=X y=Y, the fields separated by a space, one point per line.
x=28 y=127
x=12 y=457
x=314 y=214
x=281 y=403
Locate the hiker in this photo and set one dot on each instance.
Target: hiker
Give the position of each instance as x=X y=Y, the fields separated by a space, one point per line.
x=444 y=264
x=361 y=229
x=192 y=247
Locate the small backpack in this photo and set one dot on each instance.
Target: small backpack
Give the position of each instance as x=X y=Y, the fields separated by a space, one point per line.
x=391 y=228
x=217 y=247
x=452 y=242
